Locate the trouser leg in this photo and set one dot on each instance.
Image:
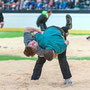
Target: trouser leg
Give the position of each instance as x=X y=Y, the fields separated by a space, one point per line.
x=42 y=27
x=2 y=24
x=38 y=68
x=64 y=65
x=65 y=28
x=45 y=26
x=88 y=37
x=68 y=23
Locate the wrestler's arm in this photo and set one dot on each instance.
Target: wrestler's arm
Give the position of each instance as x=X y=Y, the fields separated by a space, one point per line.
x=30 y=29
x=66 y=41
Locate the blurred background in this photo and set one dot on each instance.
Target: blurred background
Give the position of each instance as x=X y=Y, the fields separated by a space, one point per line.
x=15 y=10
x=14 y=5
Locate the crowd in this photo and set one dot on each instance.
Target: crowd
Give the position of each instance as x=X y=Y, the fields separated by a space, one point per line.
x=43 y=4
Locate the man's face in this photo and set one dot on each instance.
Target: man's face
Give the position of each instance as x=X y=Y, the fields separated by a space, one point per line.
x=33 y=44
x=49 y=13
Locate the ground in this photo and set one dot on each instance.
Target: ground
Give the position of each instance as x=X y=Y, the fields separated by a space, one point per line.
x=15 y=75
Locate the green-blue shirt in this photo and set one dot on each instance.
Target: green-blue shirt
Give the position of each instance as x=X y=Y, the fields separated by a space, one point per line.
x=51 y=39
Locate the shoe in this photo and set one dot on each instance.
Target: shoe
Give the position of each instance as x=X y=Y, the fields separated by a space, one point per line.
x=69 y=21
x=88 y=38
x=68 y=82
x=34 y=77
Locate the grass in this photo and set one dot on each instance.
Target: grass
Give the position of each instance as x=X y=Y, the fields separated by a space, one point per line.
x=79 y=58
x=12 y=57
x=78 y=34
x=12 y=34
x=9 y=34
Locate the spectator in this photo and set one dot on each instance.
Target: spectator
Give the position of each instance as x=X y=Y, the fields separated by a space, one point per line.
x=62 y=4
x=42 y=19
x=13 y=6
x=50 y=5
x=56 y=2
x=32 y=6
x=77 y=5
x=1 y=20
x=69 y=4
x=82 y=3
x=73 y=3
x=9 y=4
x=87 y=3
x=39 y=4
x=29 y=4
x=19 y=5
x=45 y=4
x=26 y=4
x=1 y=4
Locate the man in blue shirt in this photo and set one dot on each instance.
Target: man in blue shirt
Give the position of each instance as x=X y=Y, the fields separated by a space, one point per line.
x=51 y=39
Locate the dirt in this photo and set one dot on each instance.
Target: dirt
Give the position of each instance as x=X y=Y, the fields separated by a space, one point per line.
x=15 y=75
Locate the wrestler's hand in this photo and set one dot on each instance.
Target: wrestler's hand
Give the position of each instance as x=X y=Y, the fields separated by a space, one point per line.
x=63 y=38
x=42 y=32
x=67 y=42
x=67 y=33
x=34 y=33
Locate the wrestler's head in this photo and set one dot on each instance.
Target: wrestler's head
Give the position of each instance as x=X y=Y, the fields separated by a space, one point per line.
x=31 y=48
x=49 y=54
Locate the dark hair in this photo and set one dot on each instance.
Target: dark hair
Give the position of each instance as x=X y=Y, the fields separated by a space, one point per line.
x=29 y=51
x=48 y=54
x=48 y=11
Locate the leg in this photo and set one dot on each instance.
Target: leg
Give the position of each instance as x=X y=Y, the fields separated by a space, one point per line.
x=65 y=28
x=69 y=21
x=38 y=68
x=2 y=24
x=68 y=24
x=65 y=68
x=64 y=65
x=42 y=27
x=88 y=38
x=45 y=27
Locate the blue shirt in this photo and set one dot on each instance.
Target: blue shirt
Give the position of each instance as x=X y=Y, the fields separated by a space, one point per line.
x=51 y=39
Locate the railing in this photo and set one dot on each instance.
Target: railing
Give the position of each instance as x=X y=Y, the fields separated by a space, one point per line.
x=53 y=10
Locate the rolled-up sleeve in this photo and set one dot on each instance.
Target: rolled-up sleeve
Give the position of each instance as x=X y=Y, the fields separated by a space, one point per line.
x=28 y=37
x=40 y=51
